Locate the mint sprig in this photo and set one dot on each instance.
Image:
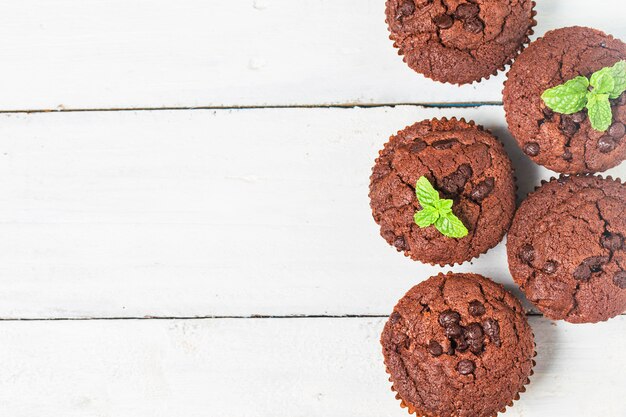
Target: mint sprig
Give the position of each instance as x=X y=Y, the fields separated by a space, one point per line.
x=437 y=211
x=575 y=95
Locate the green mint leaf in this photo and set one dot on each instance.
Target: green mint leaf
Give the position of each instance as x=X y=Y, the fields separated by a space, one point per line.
x=599 y=109
x=436 y=211
x=567 y=98
x=426 y=193
x=426 y=217
x=444 y=206
x=451 y=226
x=602 y=81
x=619 y=77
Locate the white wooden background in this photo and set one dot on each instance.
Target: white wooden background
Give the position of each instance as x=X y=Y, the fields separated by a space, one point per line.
x=184 y=211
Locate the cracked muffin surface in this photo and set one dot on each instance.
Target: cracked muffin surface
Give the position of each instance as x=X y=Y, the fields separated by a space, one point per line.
x=564 y=143
x=458 y=345
x=464 y=163
x=566 y=248
x=459 y=41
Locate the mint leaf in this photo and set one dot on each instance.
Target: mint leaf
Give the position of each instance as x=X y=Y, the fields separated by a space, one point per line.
x=567 y=98
x=600 y=114
x=426 y=217
x=451 y=226
x=444 y=206
x=437 y=211
x=602 y=81
x=619 y=77
x=426 y=193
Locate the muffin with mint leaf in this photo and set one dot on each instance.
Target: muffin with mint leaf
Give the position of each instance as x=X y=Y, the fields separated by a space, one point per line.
x=443 y=191
x=565 y=102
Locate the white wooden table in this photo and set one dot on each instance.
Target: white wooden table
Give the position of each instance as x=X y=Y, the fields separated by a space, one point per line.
x=184 y=211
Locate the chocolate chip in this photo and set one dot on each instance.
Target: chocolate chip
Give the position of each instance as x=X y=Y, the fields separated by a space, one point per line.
x=449 y=317
x=595 y=263
x=474 y=332
x=461 y=344
x=399 y=243
x=473 y=25
x=550 y=267
x=531 y=149
x=466 y=10
x=620 y=279
x=455 y=183
x=465 y=367
x=476 y=308
x=568 y=126
x=443 y=21
x=444 y=144
x=417 y=146
x=567 y=155
x=589 y=266
x=527 y=253
x=454 y=331
x=476 y=346
x=548 y=113
x=617 y=130
x=395 y=317
x=578 y=117
x=482 y=190
x=465 y=170
x=606 y=144
x=492 y=330
x=406 y=9
x=407 y=343
x=582 y=272
x=611 y=241
x=435 y=348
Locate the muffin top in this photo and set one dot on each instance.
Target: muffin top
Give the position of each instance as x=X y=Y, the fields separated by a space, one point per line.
x=566 y=248
x=565 y=143
x=458 y=345
x=459 y=41
x=464 y=163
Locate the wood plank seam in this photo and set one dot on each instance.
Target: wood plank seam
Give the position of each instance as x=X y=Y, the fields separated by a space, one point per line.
x=431 y=105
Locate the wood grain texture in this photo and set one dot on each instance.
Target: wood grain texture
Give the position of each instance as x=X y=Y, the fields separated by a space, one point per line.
x=275 y=367
x=189 y=53
x=208 y=213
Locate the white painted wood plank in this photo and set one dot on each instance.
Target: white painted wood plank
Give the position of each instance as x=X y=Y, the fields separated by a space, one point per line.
x=189 y=53
x=198 y=213
x=263 y=368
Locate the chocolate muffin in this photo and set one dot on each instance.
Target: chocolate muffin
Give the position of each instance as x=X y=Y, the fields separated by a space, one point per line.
x=565 y=143
x=458 y=345
x=459 y=41
x=464 y=163
x=566 y=248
